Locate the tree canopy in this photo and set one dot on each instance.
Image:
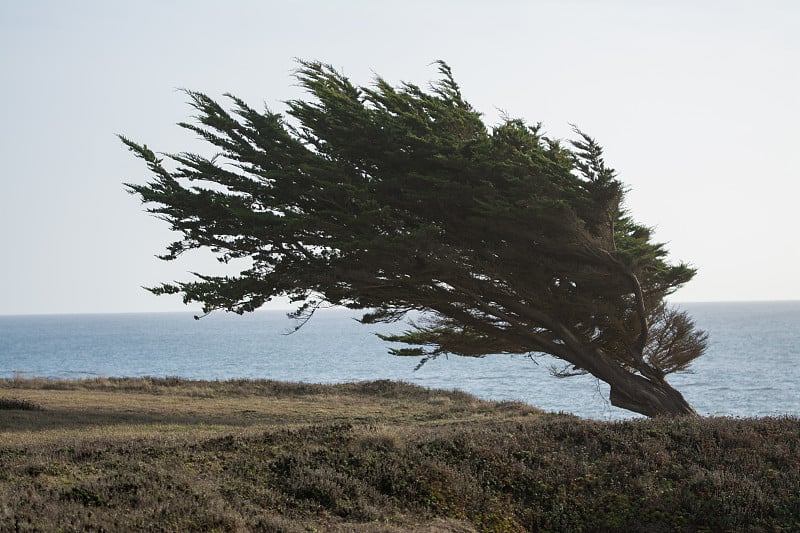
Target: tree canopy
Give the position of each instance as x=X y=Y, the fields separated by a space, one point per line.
x=393 y=199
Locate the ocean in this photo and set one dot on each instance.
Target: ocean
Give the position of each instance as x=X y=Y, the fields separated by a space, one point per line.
x=751 y=369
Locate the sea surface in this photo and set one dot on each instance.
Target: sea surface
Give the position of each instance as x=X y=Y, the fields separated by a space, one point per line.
x=752 y=367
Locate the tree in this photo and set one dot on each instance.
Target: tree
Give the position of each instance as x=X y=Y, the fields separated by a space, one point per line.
x=397 y=199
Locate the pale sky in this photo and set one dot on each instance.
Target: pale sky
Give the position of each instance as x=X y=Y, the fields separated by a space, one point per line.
x=696 y=104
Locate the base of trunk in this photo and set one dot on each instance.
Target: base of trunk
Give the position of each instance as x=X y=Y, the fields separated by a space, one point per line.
x=649 y=398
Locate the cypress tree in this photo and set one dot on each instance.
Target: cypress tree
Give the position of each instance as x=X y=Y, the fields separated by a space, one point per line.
x=397 y=199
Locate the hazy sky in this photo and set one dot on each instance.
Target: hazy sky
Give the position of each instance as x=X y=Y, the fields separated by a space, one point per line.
x=695 y=102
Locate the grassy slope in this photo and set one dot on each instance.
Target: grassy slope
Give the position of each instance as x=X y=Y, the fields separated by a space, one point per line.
x=141 y=454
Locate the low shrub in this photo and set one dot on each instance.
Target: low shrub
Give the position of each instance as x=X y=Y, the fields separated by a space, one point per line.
x=17 y=404
x=504 y=473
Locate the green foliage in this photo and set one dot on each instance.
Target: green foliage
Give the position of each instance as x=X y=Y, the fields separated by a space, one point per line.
x=393 y=199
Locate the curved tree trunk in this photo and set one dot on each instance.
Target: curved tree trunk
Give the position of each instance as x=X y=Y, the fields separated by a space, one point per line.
x=646 y=396
x=649 y=395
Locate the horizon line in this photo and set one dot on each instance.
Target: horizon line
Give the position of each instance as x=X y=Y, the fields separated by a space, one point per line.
x=338 y=308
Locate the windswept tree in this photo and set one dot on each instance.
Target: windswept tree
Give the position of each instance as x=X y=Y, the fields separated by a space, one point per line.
x=396 y=199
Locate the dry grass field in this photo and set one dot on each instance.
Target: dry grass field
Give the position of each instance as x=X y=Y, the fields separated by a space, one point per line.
x=175 y=455
x=127 y=408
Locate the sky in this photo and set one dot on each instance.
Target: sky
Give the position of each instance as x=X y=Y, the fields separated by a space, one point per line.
x=695 y=102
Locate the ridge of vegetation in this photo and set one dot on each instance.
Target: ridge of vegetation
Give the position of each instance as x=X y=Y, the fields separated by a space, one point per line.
x=169 y=454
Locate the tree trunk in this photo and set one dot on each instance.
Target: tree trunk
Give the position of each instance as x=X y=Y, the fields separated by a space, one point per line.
x=647 y=397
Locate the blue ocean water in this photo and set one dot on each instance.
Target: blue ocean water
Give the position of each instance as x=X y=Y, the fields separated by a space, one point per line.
x=750 y=369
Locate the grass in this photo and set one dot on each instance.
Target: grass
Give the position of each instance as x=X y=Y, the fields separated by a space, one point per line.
x=176 y=455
